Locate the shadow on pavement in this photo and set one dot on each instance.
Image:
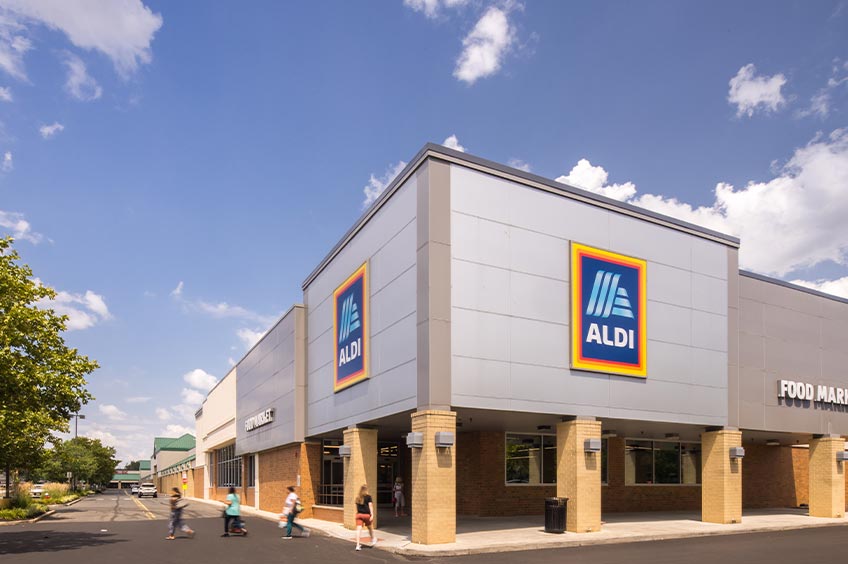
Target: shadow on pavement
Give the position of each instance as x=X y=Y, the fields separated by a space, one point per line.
x=51 y=541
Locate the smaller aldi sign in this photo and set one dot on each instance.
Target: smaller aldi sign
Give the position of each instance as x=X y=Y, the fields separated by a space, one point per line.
x=608 y=312
x=350 y=330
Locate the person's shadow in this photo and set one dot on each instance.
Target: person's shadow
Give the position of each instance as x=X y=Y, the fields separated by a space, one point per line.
x=22 y=542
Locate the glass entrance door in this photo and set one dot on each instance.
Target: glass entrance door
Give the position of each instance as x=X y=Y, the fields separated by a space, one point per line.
x=388 y=466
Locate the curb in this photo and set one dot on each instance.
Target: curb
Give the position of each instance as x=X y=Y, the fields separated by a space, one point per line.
x=77 y=500
x=40 y=517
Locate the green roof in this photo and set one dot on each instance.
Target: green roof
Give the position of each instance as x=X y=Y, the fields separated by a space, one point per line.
x=180 y=463
x=144 y=465
x=126 y=477
x=184 y=443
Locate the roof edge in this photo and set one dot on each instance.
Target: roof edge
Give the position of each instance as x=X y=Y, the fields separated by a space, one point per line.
x=509 y=173
x=791 y=286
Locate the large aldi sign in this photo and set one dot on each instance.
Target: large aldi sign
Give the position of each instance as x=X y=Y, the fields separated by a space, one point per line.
x=350 y=330
x=608 y=312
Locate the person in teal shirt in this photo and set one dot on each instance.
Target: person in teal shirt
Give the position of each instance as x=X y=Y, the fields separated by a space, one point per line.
x=231 y=513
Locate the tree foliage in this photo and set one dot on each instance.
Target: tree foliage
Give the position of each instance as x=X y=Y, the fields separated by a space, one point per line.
x=42 y=380
x=88 y=459
x=133 y=465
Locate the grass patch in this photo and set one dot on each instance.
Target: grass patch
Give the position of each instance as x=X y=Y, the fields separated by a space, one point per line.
x=20 y=513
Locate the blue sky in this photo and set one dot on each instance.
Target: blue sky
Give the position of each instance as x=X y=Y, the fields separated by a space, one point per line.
x=176 y=169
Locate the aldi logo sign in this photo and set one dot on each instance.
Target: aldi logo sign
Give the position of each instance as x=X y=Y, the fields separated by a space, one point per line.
x=350 y=329
x=608 y=312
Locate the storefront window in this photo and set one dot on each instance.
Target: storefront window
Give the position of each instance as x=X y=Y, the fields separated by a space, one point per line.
x=332 y=474
x=228 y=467
x=251 y=471
x=662 y=462
x=530 y=459
x=604 y=461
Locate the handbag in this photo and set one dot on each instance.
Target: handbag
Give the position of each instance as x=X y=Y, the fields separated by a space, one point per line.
x=298 y=507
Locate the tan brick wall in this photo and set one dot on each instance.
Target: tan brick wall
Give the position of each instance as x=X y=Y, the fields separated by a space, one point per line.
x=827 y=478
x=481 y=488
x=618 y=497
x=360 y=468
x=721 y=493
x=579 y=475
x=434 y=480
x=199 y=473
x=774 y=476
x=333 y=514
x=165 y=483
x=279 y=468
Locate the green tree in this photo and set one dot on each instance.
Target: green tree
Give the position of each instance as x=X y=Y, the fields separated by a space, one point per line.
x=42 y=380
x=88 y=459
x=133 y=465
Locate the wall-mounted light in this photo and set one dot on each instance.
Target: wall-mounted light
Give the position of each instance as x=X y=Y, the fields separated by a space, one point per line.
x=415 y=440
x=543 y=427
x=444 y=439
x=842 y=456
x=344 y=450
x=592 y=445
x=772 y=442
x=737 y=453
x=608 y=434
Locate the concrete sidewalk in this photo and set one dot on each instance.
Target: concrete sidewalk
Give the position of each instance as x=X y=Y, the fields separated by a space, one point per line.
x=501 y=534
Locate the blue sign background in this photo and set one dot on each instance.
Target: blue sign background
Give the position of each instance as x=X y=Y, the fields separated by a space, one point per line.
x=357 y=364
x=630 y=282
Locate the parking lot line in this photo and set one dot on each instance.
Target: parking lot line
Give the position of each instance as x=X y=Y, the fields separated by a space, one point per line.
x=141 y=506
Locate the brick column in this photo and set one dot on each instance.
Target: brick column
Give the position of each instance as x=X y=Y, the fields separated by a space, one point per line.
x=360 y=468
x=721 y=477
x=579 y=475
x=433 y=480
x=827 y=477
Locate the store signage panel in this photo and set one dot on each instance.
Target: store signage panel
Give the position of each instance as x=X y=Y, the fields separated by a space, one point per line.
x=262 y=418
x=350 y=330
x=608 y=312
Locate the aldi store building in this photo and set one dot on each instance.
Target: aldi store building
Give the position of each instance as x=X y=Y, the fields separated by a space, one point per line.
x=495 y=338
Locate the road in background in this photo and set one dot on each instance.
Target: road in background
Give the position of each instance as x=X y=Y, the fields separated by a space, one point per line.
x=114 y=527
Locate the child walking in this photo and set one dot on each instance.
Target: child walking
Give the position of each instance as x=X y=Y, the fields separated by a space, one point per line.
x=364 y=516
x=291 y=508
x=176 y=519
x=398 y=498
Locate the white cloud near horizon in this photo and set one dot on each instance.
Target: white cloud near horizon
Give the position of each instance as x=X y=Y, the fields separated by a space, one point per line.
x=836 y=287
x=249 y=337
x=123 y=30
x=83 y=310
x=594 y=179
x=519 y=164
x=453 y=143
x=48 y=131
x=751 y=93
x=177 y=431
x=376 y=185
x=485 y=46
x=15 y=224
x=139 y=399
x=112 y=412
x=795 y=220
x=163 y=414
x=80 y=84
x=218 y=310
x=200 y=379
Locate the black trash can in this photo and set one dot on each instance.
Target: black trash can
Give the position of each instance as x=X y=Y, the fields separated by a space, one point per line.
x=555 y=508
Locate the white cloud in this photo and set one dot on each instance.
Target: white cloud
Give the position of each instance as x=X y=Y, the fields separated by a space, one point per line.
x=376 y=185
x=485 y=46
x=200 y=379
x=432 y=8
x=231 y=361
x=13 y=46
x=19 y=227
x=192 y=397
x=749 y=92
x=178 y=291
x=594 y=179
x=793 y=221
x=7 y=165
x=120 y=29
x=222 y=310
x=838 y=287
x=249 y=337
x=453 y=143
x=83 y=310
x=48 y=131
x=80 y=84
x=139 y=399
x=177 y=431
x=821 y=102
x=112 y=412
x=519 y=164
x=6 y=94
x=163 y=414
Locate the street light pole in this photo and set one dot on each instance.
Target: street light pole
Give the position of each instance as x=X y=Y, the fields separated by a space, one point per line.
x=76 y=417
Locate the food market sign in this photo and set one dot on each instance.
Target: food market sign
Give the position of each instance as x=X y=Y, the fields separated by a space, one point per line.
x=258 y=420
x=804 y=391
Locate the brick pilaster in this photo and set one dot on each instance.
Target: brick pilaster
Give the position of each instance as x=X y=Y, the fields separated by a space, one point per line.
x=433 y=480
x=827 y=477
x=579 y=475
x=721 y=476
x=360 y=468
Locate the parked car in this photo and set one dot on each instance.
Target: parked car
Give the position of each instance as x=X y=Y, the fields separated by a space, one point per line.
x=134 y=489
x=147 y=489
x=37 y=490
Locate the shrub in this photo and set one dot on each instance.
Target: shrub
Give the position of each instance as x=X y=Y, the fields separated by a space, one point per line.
x=20 y=513
x=56 y=490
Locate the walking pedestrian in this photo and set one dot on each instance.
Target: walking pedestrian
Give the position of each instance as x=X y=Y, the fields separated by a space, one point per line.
x=364 y=516
x=231 y=513
x=176 y=519
x=398 y=497
x=291 y=508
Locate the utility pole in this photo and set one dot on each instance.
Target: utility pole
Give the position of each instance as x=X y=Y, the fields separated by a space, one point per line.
x=76 y=417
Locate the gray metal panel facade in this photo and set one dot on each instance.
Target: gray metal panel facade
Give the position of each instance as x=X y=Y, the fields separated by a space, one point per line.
x=790 y=334
x=510 y=275
x=388 y=242
x=266 y=379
